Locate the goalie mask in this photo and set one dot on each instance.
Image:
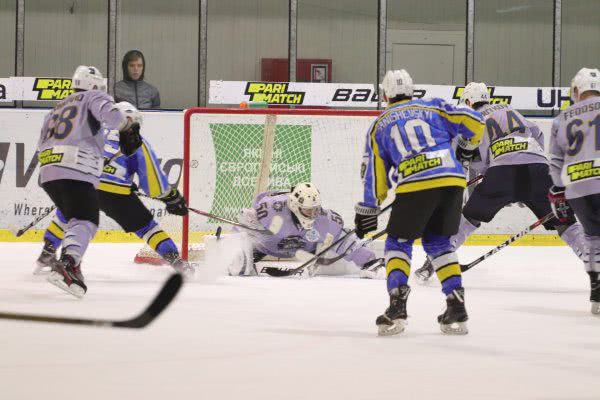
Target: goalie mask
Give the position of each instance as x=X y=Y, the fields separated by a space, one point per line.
x=88 y=78
x=305 y=202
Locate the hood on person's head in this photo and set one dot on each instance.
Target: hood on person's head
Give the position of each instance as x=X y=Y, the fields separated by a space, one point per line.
x=130 y=56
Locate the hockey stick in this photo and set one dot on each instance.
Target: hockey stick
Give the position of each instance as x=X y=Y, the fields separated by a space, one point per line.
x=161 y=301
x=274 y=271
x=329 y=261
x=20 y=232
x=230 y=221
x=541 y=221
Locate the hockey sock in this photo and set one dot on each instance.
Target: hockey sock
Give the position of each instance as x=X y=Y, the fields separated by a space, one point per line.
x=55 y=233
x=464 y=230
x=574 y=236
x=593 y=244
x=444 y=261
x=78 y=235
x=157 y=239
x=398 y=254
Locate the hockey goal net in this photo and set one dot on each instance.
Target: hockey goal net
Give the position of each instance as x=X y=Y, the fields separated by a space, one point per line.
x=230 y=155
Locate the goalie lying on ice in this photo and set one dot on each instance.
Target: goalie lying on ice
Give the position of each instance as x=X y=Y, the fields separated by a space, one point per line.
x=297 y=226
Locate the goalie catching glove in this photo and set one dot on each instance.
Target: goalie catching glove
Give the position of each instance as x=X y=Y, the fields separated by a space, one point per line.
x=365 y=220
x=175 y=203
x=560 y=207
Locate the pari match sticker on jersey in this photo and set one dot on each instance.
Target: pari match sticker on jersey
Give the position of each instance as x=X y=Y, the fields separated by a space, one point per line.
x=420 y=163
x=509 y=145
x=581 y=171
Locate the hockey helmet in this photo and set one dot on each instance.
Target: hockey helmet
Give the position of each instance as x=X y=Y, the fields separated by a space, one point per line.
x=586 y=79
x=305 y=202
x=475 y=92
x=397 y=83
x=129 y=110
x=88 y=78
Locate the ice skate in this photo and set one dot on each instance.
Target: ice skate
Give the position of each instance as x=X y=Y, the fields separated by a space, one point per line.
x=454 y=320
x=179 y=264
x=424 y=273
x=46 y=259
x=371 y=269
x=393 y=320
x=595 y=297
x=67 y=276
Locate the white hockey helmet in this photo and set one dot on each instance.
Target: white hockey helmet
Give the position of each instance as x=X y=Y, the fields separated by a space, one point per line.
x=475 y=92
x=129 y=110
x=586 y=79
x=88 y=78
x=305 y=202
x=396 y=83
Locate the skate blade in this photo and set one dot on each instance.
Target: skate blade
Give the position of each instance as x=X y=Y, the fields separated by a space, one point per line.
x=595 y=308
x=57 y=280
x=456 y=328
x=41 y=269
x=397 y=327
x=422 y=277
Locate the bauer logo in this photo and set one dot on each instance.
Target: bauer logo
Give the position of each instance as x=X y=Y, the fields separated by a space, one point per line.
x=494 y=99
x=273 y=93
x=52 y=88
x=2 y=92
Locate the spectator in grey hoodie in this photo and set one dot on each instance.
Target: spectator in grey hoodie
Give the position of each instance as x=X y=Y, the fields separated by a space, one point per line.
x=133 y=88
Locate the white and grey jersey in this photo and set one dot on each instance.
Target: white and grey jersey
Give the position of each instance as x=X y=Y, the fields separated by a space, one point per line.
x=71 y=141
x=575 y=148
x=510 y=139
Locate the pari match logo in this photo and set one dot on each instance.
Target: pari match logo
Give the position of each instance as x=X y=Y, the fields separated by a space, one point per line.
x=494 y=99
x=273 y=93
x=52 y=88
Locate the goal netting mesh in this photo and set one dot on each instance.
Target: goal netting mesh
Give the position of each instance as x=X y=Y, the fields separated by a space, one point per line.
x=233 y=154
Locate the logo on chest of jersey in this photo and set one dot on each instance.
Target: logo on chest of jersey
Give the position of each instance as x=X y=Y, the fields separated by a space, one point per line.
x=312 y=235
x=52 y=88
x=109 y=169
x=494 y=99
x=506 y=146
x=583 y=170
x=47 y=157
x=273 y=93
x=419 y=163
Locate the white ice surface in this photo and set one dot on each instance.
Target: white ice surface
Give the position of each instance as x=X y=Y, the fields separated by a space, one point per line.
x=531 y=335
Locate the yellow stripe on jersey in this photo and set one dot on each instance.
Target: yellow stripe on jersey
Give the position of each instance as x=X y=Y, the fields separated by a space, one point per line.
x=397 y=263
x=379 y=172
x=157 y=239
x=114 y=188
x=431 y=184
x=154 y=186
x=56 y=230
x=448 y=271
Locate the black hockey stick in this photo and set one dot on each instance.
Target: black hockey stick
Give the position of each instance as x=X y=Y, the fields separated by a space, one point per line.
x=20 y=232
x=541 y=221
x=158 y=305
x=230 y=221
x=329 y=261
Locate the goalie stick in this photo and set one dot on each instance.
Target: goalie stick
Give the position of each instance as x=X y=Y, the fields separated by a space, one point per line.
x=541 y=221
x=161 y=301
x=278 y=272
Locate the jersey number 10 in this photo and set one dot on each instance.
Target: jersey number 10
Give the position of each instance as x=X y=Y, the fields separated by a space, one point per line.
x=416 y=133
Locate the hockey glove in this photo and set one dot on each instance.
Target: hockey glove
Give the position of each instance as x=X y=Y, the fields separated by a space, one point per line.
x=365 y=220
x=560 y=207
x=130 y=140
x=175 y=203
x=465 y=156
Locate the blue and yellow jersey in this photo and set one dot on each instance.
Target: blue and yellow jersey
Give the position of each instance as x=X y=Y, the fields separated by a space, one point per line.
x=118 y=174
x=410 y=145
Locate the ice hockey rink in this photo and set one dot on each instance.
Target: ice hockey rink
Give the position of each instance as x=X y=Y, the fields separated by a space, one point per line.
x=531 y=334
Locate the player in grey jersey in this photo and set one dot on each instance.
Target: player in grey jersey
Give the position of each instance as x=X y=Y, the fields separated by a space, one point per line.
x=575 y=168
x=515 y=169
x=70 y=156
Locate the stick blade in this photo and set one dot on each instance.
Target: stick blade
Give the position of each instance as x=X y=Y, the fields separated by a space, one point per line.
x=158 y=305
x=274 y=271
